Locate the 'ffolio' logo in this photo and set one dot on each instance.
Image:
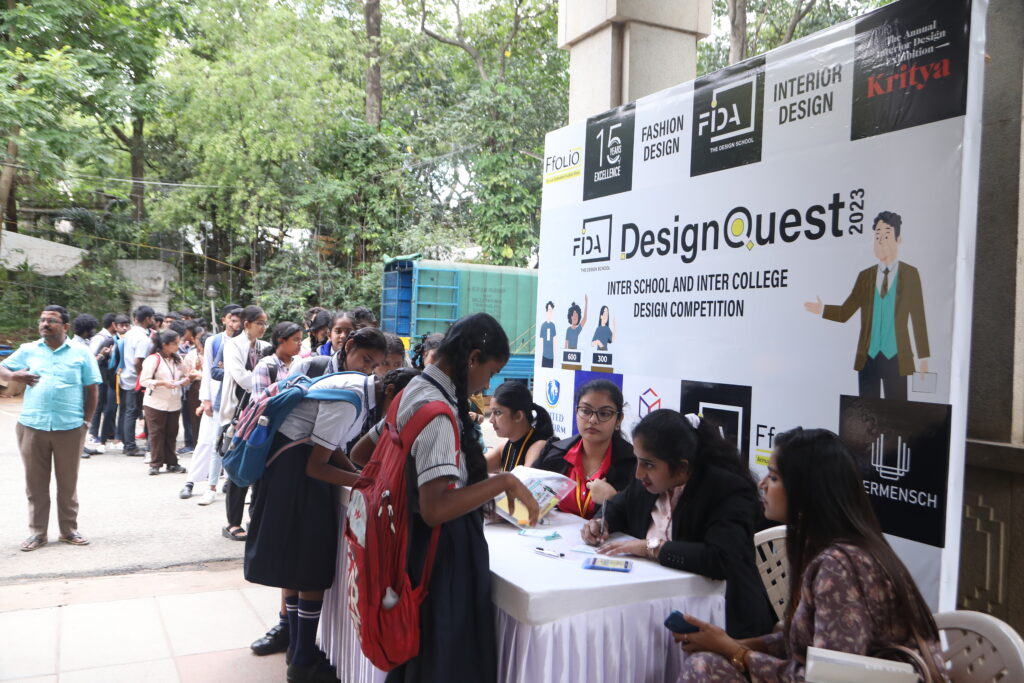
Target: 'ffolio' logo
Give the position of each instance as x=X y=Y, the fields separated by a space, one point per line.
x=608 y=157
x=568 y=164
x=728 y=113
x=594 y=242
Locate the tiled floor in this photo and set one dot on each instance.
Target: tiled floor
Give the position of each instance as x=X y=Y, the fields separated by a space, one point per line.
x=170 y=627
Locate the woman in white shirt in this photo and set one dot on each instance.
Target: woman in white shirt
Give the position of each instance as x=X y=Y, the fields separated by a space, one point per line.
x=161 y=377
x=241 y=354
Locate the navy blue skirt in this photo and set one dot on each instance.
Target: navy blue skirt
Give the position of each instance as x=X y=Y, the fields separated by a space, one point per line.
x=292 y=538
x=457 y=637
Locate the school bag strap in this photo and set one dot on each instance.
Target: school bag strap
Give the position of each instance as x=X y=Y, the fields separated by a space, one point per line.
x=138 y=378
x=405 y=440
x=383 y=603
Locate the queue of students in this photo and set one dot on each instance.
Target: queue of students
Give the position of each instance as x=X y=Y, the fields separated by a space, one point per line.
x=677 y=486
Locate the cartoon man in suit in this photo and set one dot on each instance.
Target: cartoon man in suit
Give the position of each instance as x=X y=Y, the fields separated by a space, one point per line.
x=888 y=296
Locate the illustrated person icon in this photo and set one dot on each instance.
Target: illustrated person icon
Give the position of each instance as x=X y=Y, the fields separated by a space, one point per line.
x=605 y=332
x=888 y=296
x=547 y=333
x=572 y=333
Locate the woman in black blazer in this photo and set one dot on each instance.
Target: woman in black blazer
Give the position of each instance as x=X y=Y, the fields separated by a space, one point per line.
x=694 y=506
x=599 y=459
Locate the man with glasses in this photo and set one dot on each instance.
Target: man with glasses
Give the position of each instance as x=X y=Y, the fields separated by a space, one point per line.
x=60 y=398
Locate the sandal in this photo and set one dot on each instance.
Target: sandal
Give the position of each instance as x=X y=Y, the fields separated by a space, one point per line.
x=238 y=534
x=74 y=538
x=33 y=542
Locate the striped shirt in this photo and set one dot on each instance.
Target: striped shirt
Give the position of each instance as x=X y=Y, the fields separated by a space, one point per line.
x=434 y=448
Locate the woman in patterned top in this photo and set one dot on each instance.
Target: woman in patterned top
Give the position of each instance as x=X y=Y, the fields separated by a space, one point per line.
x=848 y=590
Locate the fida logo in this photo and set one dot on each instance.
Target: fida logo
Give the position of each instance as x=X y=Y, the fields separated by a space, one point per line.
x=649 y=400
x=552 y=392
x=594 y=243
x=728 y=110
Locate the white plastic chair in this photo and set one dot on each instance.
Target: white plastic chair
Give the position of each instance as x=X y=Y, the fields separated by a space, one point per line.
x=770 y=556
x=978 y=648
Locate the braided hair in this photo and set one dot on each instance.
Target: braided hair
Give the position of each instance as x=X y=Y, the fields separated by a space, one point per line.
x=476 y=332
x=428 y=343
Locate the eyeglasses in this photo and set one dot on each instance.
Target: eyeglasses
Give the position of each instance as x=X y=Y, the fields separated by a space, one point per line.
x=603 y=415
x=51 y=321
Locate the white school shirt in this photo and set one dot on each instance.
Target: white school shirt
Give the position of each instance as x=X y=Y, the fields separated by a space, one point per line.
x=332 y=424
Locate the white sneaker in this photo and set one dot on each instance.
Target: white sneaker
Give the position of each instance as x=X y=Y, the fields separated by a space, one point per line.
x=95 y=446
x=208 y=497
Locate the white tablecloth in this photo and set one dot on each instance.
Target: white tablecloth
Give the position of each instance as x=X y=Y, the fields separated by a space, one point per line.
x=558 y=622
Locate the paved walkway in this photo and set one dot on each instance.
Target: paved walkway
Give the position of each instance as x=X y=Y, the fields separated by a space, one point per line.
x=152 y=627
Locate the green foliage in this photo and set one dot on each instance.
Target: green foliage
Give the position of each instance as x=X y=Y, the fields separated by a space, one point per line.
x=768 y=22
x=295 y=280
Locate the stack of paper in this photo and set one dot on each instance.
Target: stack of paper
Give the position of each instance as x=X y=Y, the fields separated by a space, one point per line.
x=830 y=666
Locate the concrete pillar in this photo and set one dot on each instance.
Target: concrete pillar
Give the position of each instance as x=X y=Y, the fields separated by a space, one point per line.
x=621 y=50
x=992 y=550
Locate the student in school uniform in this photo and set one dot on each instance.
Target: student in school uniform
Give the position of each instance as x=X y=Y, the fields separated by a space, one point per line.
x=241 y=353
x=285 y=343
x=523 y=426
x=598 y=459
x=293 y=532
x=457 y=639
x=693 y=505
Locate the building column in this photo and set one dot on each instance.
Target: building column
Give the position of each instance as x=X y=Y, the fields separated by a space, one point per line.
x=992 y=546
x=621 y=50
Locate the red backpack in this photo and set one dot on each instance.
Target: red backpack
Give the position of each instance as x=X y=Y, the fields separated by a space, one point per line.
x=384 y=607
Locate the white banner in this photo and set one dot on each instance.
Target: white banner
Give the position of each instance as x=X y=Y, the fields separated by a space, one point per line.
x=788 y=241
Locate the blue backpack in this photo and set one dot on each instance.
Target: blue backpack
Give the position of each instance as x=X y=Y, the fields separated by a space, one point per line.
x=249 y=453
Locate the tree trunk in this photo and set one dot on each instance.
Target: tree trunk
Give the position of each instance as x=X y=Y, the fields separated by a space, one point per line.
x=138 y=160
x=7 y=171
x=371 y=13
x=11 y=209
x=737 y=30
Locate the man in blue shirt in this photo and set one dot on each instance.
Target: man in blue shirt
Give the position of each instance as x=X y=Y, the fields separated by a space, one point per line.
x=62 y=388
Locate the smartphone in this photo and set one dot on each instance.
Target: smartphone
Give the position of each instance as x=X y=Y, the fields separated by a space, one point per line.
x=676 y=623
x=611 y=564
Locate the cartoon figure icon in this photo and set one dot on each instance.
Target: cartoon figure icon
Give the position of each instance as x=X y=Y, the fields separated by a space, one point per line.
x=547 y=333
x=889 y=298
x=605 y=332
x=572 y=333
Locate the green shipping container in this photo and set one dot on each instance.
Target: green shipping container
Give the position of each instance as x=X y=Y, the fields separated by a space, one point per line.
x=423 y=297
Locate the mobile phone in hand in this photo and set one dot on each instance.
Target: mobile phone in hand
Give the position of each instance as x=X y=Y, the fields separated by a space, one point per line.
x=676 y=623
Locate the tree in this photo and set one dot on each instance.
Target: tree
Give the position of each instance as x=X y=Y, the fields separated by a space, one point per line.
x=756 y=26
x=38 y=86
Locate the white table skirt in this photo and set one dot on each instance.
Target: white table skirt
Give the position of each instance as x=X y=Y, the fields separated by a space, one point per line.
x=597 y=643
x=610 y=645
